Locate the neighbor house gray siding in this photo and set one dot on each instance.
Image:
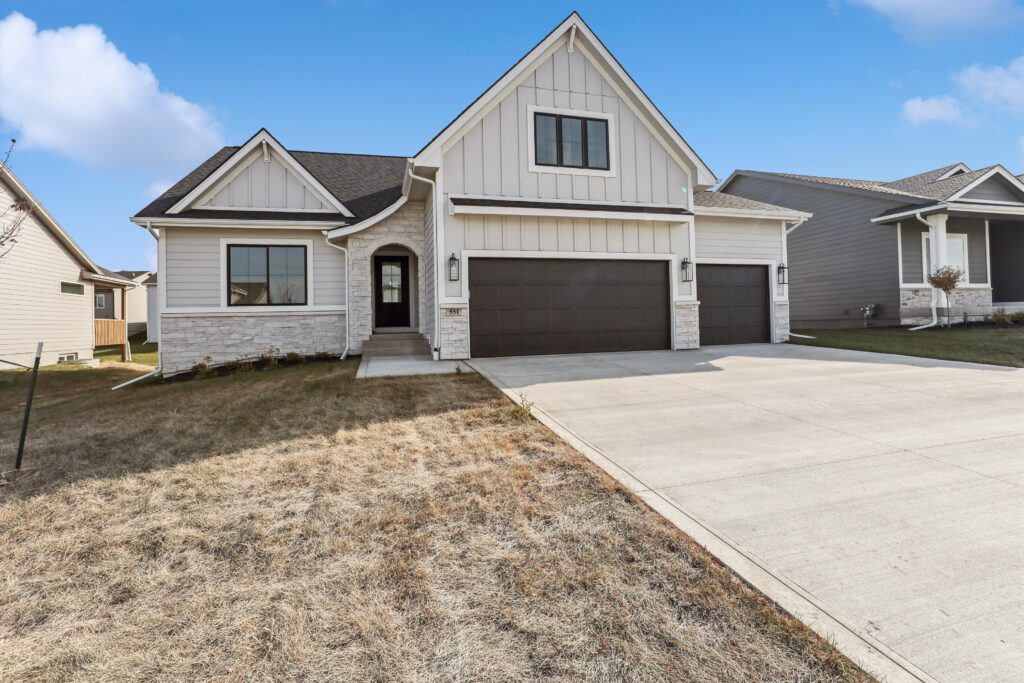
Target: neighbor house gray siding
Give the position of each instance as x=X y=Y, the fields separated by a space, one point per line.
x=977 y=257
x=839 y=260
x=994 y=189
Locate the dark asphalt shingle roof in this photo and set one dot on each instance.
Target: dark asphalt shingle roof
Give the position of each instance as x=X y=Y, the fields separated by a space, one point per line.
x=366 y=184
x=151 y=280
x=132 y=274
x=721 y=200
x=113 y=274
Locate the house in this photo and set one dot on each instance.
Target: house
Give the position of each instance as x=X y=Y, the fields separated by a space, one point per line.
x=47 y=286
x=136 y=312
x=152 y=309
x=873 y=243
x=559 y=212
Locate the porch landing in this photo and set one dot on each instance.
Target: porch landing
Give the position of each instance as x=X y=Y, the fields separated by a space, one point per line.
x=401 y=366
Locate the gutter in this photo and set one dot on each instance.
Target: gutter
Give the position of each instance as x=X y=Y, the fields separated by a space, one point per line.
x=348 y=336
x=935 y=312
x=797 y=224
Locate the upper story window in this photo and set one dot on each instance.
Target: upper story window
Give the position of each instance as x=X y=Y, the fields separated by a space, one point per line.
x=266 y=275
x=571 y=141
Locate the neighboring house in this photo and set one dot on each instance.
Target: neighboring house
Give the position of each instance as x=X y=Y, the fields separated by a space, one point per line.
x=137 y=300
x=46 y=288
x=152 y=309
x=875 y=242
x=559 y=212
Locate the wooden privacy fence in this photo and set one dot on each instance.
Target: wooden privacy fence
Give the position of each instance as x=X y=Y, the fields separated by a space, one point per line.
x=111 y=332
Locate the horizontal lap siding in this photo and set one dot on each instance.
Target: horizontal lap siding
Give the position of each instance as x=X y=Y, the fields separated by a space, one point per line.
x=193 y=265
x=32 y=308
x=839 y=260
x=977 y=256
x=730 y=238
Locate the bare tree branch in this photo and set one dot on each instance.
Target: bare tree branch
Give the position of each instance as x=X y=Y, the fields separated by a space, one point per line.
x=12 y=215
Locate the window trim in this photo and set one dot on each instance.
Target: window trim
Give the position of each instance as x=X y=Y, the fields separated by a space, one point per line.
x=97 y=296
x=60 y=288
x=962 y=236
x=225 y=279
x=533 y=110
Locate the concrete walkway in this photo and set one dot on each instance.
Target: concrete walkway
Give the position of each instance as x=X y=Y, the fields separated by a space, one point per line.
x=401 y=366
x=878 y=498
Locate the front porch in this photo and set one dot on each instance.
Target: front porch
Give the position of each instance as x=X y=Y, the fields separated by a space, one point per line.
x=987 y=245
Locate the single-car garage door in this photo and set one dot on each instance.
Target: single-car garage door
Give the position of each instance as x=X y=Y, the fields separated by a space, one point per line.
x=733 y=304
x=523 y=306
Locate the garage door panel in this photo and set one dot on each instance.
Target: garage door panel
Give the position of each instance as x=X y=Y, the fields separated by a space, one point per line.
x=733 y=304
x=567 y=306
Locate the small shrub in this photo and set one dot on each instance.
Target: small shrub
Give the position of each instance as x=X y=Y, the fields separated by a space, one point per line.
x=268 y=360
x=1017 y=318
x=200 y=370
x=293 y=358
x=521 y=411
x=1000 y=318
x=322 y=356
x=947 y=279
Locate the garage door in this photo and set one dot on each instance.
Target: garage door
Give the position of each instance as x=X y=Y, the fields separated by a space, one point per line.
x=524 y=306
x=733 y=304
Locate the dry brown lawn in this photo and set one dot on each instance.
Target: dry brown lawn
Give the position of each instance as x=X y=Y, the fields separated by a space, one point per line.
x=298 y=525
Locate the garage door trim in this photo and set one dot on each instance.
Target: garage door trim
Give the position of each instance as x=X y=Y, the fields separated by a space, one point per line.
x=776 y=293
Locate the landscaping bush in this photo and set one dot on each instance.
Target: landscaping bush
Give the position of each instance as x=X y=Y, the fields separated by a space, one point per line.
x=1017 y=318
x=292 y=358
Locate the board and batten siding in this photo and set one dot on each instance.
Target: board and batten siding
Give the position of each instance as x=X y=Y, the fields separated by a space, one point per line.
x=32 y=307
x=193 y=265
x=838 y=260
x=492 y=157
x=739 y=239
x=977 y=257
x=259 y=184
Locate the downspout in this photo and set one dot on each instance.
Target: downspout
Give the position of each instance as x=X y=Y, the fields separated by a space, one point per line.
x=437 y=263
x=155 y=371
x=796 y=225
x=344 y=354
x=935 y=312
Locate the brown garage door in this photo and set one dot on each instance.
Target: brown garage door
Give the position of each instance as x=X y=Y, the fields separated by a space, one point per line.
x=522 y=306
x=733 y=304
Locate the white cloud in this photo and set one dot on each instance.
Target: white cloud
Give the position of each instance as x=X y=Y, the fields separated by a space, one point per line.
x=943 y=109
x=72 y=91
x=925 y=19
x=999 y=86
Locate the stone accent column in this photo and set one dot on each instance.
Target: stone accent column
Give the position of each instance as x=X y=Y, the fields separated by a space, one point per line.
x=687 y=325
x=781 y=322
x=454 y=333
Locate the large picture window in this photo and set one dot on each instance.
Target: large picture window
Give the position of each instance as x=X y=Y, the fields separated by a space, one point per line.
x=571 y=141
x=266 y=276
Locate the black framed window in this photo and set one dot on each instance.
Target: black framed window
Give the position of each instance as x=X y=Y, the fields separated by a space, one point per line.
x=266 y=276
x=570 y=141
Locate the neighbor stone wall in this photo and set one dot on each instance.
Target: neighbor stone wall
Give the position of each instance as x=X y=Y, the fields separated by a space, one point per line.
x=687 y=326
x=781 y=322
x=915 y=305
x=214 y=339
x=404 y=228
x=454 y=332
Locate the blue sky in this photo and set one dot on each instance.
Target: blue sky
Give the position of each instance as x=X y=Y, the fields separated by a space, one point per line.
x=858 y=88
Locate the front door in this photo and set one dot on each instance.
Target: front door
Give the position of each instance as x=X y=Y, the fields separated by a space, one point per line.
x=391 y=291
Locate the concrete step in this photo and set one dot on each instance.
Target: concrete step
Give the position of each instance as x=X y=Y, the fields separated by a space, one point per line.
x=403 y=344
x=392 y=336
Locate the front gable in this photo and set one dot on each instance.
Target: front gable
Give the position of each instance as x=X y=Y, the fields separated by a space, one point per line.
x=261 y=175
x=995 y=189
x=570 y=69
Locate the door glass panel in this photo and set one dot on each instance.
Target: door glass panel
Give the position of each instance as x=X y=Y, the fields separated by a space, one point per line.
x=391 y=282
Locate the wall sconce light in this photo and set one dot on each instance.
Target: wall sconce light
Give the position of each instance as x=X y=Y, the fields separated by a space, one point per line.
x=686 y=270
x=783 y=274
x=453 y=268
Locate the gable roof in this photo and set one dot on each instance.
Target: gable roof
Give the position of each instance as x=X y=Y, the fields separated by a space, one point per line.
x=365 y=184
x=941 y=184
x=46 y=219
x=583 y=37
x=722 y=200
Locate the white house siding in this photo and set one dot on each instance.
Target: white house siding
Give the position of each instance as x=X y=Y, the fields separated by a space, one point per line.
x=259 y=184
x=32 y=308
x=194 y=264
x=492 y=157
x=138 y=305
x=429 y=270
x=152 y=313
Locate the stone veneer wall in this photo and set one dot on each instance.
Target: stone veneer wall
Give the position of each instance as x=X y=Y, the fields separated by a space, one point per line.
x=915 y=305
x=687 y=325
x=404 y=228
x=455 y=333
x=781 y=322
x=186 y=340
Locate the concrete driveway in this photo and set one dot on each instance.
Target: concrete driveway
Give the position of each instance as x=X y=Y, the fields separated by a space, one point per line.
x=880 y=498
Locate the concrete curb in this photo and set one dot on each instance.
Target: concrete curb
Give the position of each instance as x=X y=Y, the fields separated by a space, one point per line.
x=871 y=655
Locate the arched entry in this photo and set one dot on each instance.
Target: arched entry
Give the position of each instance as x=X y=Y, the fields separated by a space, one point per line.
x=394 y=279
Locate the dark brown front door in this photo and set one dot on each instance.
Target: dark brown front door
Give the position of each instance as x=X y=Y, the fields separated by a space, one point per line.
x=522 y=306
x=733 y=304
x=391 y=291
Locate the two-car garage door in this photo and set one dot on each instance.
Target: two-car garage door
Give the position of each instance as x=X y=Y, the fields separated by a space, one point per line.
x=523 y=306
